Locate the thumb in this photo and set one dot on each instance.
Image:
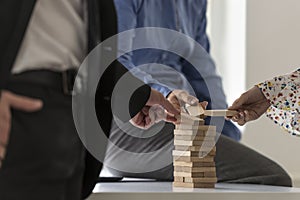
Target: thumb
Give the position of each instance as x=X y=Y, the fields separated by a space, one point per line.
x=23 y=103
x=186 y=97
x=189 y=99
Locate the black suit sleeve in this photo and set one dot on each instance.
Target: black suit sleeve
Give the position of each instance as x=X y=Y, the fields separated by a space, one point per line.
x=103 y=98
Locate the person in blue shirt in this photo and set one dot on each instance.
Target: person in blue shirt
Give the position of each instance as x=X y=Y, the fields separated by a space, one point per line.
x=149 y=151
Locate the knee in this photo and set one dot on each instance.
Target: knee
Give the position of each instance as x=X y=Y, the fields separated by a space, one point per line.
x=283 y=179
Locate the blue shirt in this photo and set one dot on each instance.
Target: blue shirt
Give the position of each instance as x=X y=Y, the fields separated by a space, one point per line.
x=187 y=17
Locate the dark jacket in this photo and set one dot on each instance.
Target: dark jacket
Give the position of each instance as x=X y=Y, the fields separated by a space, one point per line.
x=14 y=18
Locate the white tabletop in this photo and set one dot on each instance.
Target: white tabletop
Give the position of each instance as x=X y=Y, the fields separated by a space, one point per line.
x=144 y=190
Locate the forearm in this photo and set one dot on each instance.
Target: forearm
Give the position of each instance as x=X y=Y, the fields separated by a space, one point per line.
x=283 y=92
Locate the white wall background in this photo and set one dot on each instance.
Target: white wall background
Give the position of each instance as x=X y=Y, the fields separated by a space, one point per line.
x=253 y=40
x=273 y=47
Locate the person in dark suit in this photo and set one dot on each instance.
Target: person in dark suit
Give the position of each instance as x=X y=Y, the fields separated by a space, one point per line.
x=42 y=45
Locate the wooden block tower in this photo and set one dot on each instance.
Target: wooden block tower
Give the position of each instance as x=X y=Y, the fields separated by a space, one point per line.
x=193 y=157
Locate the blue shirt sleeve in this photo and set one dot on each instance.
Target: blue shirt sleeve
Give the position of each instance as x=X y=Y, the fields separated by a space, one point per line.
x=127 y=20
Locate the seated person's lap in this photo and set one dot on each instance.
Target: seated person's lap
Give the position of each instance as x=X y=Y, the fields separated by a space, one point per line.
x=140 y=157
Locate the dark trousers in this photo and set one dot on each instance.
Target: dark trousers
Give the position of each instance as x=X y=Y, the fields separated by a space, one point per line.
x=45 y=157
x=235 y=163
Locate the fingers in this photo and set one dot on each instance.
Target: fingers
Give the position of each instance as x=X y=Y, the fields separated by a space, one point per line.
x=150 y=116
x=203 y=104
x=5 y=122
x=169 y=107
x=23 y=103
x=157 y=113
x=138 y=121
x=243 y=117
x=239 y=118
x=189 y=99
x=185 y=98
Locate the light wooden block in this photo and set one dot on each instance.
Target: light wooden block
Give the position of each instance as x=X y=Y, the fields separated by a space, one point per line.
x=194 y=169
x=195 y=110
x=193 y=153
x=195 y=143
x=193 y=185
x=193 y=137
x=194 y=164
x=194 y=126
x=178 y=179
x=193 y=159
x=194 y=148
x=189 y=174
x=184 y=117
x=199 y=180
x=220 y=113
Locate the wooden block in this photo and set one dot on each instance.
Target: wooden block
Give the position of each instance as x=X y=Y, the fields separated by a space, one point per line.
x=199 y=180
x=193 y=137
x=195 y=148
x=193 y=185
x=220 y=113
x=194 y=169
x=195 y=133
x=194 y=164
x=193 y=153
x=186 y=118
x=189 y=174
x=210 y=174
x=195 y=143
x=178 y=179
x=182 y=126
x=193 y=159
x=195 y=110
x=207 y=128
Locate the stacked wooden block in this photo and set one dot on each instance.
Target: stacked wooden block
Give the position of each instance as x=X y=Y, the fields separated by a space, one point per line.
x=194 y=165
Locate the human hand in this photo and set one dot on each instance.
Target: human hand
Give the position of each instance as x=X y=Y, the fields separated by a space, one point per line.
x=158 y=108
x=10 y=100
x=250 y=105
x=180 y=97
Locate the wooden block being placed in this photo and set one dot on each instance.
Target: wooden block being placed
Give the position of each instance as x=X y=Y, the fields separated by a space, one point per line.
x=187 y=119
x=193 y=153
x=193 y=159
x=209 y=143
x=199 y=180
x=195 y=110
x=194 y=185
x=193 y=137
x=194 y=169
x=220 y=113
x=194 y=164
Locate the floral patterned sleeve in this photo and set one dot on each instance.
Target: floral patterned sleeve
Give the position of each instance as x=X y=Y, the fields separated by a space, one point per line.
x=283 y=92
